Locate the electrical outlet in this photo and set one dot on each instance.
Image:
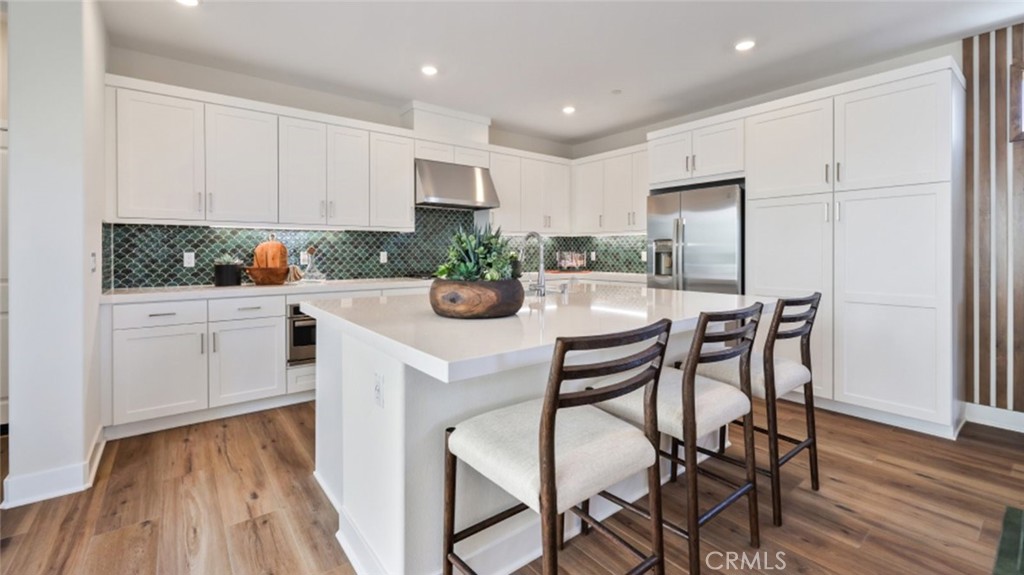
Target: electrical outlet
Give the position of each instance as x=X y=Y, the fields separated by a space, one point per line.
x=643 y=255
x=593 y=256
x=383 y=257
x=378 y=390
x=304 y=258
x=190 y=259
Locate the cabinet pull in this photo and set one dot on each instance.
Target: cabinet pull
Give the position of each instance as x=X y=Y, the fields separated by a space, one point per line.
x=199 y=201
x=323 y=209
x=165 y=314
x=330 y=208
x=826 y=173
x=694 y=162
x=250 y=308
x=214 y=350
x=837 y=171
x=202 y=344
x=687 y=163
x=838 y=217
x=209 y=202
x=600 y=221
x=826 y=212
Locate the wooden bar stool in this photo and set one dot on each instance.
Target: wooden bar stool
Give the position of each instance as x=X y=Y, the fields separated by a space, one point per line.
x=582 y=451
x=773 y=377
x=691 y=406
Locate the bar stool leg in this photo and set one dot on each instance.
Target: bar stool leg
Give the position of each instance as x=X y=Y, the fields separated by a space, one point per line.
x=692 y=503
x=673 y=466
x=561 y=531
x=721 y=439
x=773 y=457
x=748 y=445
x=549 y=537
x=654 y=503
x=811 y=433
x=449 y=503
x=584 y=526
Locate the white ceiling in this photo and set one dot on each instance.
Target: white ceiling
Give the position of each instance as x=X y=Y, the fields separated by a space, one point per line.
x=520 y=63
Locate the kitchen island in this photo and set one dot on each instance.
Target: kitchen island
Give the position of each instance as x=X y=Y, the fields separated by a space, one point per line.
x=392 y=376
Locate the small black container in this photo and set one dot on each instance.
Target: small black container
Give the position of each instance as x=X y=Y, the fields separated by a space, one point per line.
x=227 y=275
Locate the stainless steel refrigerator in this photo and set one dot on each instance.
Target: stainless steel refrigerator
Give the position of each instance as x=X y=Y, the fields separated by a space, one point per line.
x=695 y=239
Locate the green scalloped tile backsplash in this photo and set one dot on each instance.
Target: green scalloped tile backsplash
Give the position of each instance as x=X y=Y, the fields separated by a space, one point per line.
x=136 y=255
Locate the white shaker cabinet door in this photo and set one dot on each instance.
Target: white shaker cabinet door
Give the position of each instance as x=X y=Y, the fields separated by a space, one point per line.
x=789 y=255
x=161 y=157
x=348 y=177
x=789 y=151
x=391 y=182
x=588 y=196
x=534 y=205
x=159 y=371
x=241 y=165
x=894 y=134
x=641 y=189
x=892 y=300
x=669 y=158
x=618 y=209
x=506 y=171
x=247 y=360
x=303 y=172
x=557 y=197
x=717 y=150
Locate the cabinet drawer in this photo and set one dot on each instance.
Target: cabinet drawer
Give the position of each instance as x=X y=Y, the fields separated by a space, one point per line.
x=128 y=316
x=247 y=308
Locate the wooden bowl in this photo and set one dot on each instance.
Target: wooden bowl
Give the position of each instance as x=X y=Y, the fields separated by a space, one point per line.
x=476 y=300
x=267 y=276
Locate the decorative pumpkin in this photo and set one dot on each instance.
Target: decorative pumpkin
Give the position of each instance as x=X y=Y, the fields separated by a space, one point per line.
x=271 y=254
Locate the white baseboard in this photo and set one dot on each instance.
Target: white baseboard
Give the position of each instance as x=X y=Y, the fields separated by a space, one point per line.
x=357 y=550
x=172 y=421
x=995 y=417
x=910 y=423
x=34 y=487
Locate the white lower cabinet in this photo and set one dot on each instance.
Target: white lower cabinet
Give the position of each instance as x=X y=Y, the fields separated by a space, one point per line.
x=247 y=360
x=159 y=371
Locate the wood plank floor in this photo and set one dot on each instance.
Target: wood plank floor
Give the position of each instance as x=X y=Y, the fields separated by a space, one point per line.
x=236 y=496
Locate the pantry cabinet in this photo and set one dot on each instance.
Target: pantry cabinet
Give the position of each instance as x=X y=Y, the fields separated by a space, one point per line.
x=302 y=187
x=161 y=157
x=247 y=360
x=159 y=371
x=789 y=151
x=506 y=172
x=391 y=182
x=789 y=253
x=241 y=165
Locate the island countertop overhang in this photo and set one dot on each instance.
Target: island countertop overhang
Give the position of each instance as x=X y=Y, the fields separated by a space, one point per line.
x=452 y=350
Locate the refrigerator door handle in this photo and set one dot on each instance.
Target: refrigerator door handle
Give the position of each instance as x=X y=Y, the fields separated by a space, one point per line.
x=678 y=239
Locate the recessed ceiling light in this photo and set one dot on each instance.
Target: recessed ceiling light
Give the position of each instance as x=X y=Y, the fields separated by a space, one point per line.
x=745 y=45
x=568 y=110
x=429 y=70
x=188 y=2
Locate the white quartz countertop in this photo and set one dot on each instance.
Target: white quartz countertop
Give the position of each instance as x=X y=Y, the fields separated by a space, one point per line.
x=146 y=295
x=453 y=349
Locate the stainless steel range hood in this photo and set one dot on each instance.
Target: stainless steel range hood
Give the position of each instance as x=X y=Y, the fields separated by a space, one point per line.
x=450 y=185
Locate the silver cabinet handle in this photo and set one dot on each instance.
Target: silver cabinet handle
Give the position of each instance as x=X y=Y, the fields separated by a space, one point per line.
x=209 y=202
x=826 y=173
x=694 y=162
x=838 y=217
x=687 y=163
x=214 y=342
x=93 y=256
x=600 y=220
x=199 y=201
x=826 y=212
x=330 y=209
x=165 y=314
x=202 y=344
x=323 y=208
x=250 y=308
x=837 y=171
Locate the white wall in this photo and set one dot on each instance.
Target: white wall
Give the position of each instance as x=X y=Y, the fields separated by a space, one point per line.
x=56 y=147
x=639 y=135
x=137 y=64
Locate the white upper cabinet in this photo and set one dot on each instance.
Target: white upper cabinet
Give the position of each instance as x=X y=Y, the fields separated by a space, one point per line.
x=241 y=165
x=618 y=194
x=557 y=197
x=894 y=134
x=472 y=157
x=391 y=182
x=506 y=171
x=303 y=172
x=348 y=176
x=669 y=158
x=534 y=208
x=717 y=150
x=588 y=196
x=641 y=189
x=160 y=157
x=789 y=151
x=434 y=151
x=789 y=254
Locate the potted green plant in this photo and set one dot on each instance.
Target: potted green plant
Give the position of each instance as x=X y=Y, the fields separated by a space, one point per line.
x=227 y=271
x=479 y=278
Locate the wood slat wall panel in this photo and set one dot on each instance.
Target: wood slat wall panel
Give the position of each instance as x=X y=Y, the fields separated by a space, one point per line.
x=994 y=194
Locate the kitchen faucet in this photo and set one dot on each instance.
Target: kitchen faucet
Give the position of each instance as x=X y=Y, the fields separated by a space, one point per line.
x=538 y=287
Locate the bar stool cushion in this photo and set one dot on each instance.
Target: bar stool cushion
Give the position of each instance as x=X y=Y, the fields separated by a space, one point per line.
x=717 y=404
x=789 y=374
x=593 y=451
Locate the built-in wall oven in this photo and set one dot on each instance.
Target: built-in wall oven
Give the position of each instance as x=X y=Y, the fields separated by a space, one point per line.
x=301 y=336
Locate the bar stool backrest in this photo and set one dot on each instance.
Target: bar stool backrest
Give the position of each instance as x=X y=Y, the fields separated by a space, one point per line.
x=803 y=331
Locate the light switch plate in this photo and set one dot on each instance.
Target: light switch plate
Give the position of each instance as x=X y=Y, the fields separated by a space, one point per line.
x=643 y=255
x=383 y=257
x=190 y=259
x=593 y=256
x=304 y=258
